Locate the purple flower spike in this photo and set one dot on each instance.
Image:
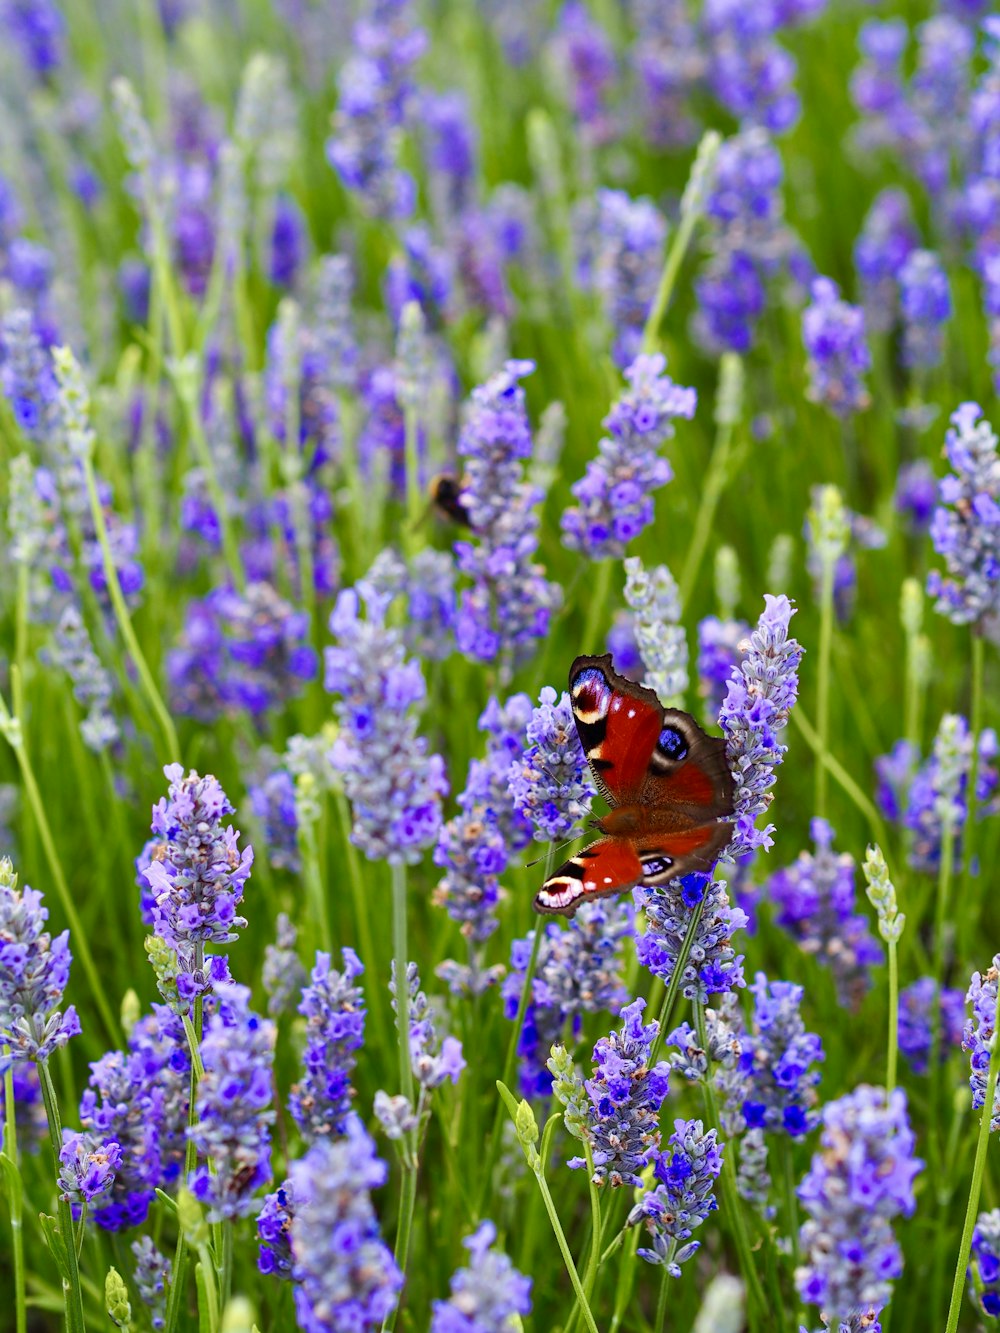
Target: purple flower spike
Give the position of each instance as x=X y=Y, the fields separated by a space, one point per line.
x=916 y=1006
x=486 y=1295
x=551 y=785
x=682 y=1196
x=834 y=335
x=87 y=1166
x=986 y=1259
x=615 y=495
x=979 y=1034
x=334 y=1010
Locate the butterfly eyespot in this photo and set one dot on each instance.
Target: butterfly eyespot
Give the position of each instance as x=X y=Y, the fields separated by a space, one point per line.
x=673 y=743
x=591 y=696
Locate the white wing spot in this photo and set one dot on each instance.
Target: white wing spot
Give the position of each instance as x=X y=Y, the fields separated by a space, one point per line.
x=631 y=712
x=607 y=879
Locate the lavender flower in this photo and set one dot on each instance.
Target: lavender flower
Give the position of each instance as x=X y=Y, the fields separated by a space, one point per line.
x=615 y=503
x=486 y=1295
x=858 y=1183
x=93 y=687
x=272 y=801
x=240 y=652
x=834 y=335
x=713 y=965
x=966 y=525
x=916 y=1021
x=343 y=1272
x=884 y=244
x=682 y=1197
x=139 y=1099
x=751 y=75
x=587 y=59
x=669 y=61
x=274 y=1232
x=986 y=1258
x=34 y=971
x=629 y=255
x=232 y=1109
x=152 y=1277
x=510 y=602
x=196 y=872
x=87 y=1166
x=333 y=1007
x=578 y=971
x=978 y=1037
x=815 y=900
x=759 y=699
x=550 y=784
x=282 y=974
x=394 y=785
x=655 y=600
x=916 y=493
x=433 y=1058
x=376 y=95
x=625 y=1098
x=718 y=656
x=38 y=30
x=925 y=301
x=777 y=1055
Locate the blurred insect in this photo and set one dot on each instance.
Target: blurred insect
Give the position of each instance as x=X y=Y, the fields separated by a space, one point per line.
x=446 y=498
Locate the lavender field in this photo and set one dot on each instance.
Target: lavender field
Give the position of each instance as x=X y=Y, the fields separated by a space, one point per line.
x=429 y=430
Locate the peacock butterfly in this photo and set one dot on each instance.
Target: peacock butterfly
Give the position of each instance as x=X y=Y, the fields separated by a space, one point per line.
x=667 y=782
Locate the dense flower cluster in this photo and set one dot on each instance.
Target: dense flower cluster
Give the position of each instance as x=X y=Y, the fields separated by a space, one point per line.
x=510 y=602
x=776 y=1061
x=966 y=524
x=139 y=1098
x=333 y=1007
x=713 y=966
x=282 y=973
x=858 y=1183
x=195 y=870
x=274 y=1232
x=240 y=652
x=814 y=899
x=551 y=784
x=345 y=1277
x=682 y=1196
x=755 y=710
x=625 y=1098
x=233 y=1106
x=34 y=971
x=626 y=265
x=578 y=972
x=87 y=1167
x=434 y=1058
x=917 y=1003
x=394 y=785
x=615 y=494
x=719 y=653
x=152 y=1277
x=834 y=335
x=979 y=1035
x=485 y=1295
x=884 y=243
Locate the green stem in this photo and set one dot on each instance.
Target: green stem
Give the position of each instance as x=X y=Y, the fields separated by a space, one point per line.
x=124 y=620
x=940 y=922
x=715 y=479
x=511 y=1056
x=314 y=882
x=14 y=1195
x=574 y=1276
x=376 y=1000
x=979 y=1167
x=841 y=776
x=823 y=686
x=676 y=977
x=72 y=1295
x=596 y=1226
x=597 y=611
x=193 y=1033
x=414 y=498
x=11 y=728
x=668 y=277
x=969 y=830
x=661 y=1303
x=731 y=1199
x=404 y=1230
x=892 y=1045
x=626 y=1277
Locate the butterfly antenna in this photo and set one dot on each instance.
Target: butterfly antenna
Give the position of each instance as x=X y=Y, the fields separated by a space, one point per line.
x=539 y=859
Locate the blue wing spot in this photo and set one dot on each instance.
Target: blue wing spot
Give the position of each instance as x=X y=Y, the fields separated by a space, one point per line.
x=672 y=743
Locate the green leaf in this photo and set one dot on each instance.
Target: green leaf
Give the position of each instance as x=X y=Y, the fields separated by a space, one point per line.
x=54 y=1240
x=10 y=1179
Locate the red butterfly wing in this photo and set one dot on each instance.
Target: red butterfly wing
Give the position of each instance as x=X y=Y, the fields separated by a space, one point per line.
x=618 y=723
x=689 y=769
x=612 y=865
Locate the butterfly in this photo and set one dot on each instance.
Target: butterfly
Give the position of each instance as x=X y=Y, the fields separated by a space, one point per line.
x=667 y=782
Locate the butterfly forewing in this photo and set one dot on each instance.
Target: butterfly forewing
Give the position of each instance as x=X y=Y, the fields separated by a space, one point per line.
x=618 y=723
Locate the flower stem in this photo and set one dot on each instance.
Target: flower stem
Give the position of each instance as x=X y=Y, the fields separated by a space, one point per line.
x=715 y=479
x=124 y=619
x=975 y=727
x=11 y=728
x=597 y=1228
x=892 y=1044
x=193 y=1032
x=841 y=776
x=14 y=1193
x=823 y=686
x=314 y=882
x=72 y=1295
x=978 y=1169
x=376 y=999
x=661 y=1304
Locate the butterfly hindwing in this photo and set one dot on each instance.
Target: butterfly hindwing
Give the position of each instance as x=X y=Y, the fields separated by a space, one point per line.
x=612 y=865
x=618 y=723
x=688 y=768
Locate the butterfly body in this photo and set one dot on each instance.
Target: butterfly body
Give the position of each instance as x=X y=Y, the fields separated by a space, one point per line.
x=667 y=783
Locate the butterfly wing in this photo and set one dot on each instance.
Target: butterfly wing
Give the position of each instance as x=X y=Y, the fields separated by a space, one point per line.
x=641 y=753
x=618 y=723
x=613 y=865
